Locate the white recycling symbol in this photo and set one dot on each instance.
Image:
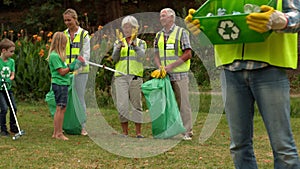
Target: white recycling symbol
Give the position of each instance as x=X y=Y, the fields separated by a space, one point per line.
x=5 y=72
x=228 y=30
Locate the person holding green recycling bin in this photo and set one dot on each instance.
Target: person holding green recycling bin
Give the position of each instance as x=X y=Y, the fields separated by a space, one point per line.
x=255 y=72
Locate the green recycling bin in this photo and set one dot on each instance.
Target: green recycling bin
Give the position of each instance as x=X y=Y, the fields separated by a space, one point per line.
x=232 y=27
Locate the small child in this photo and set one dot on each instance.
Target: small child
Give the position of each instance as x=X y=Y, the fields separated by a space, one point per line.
x=7 y=74
x=60 y=79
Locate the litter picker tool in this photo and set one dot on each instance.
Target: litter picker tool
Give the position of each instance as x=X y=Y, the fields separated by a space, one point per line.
x=21 y=132
x=104 y=67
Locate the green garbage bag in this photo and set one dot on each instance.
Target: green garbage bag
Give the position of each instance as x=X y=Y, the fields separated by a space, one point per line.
x=74 y=115
x=163 y=109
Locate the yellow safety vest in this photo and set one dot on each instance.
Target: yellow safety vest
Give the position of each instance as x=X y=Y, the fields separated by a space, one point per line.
x=279 y=49
x=73 y=49
x=170 y=51
x=128 y=62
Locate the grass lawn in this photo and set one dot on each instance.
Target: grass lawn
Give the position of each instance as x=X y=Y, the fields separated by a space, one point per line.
x=36 y=149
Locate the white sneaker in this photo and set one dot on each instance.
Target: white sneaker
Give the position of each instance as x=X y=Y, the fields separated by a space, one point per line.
x=187 y=138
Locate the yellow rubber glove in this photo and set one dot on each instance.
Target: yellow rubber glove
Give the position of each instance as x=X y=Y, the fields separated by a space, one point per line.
x=119 y=35
x=192 y=25
x=134 y=33
x=163 y=72
x=266 y=20
x=159 y=73
x=156 y=74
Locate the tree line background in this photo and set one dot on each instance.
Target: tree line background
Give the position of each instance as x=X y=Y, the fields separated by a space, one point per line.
x=30 y=24
x=36 y=15
x=26 y=21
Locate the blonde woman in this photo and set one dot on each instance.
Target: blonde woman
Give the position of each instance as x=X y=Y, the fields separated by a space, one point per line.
x=78 y=44
x=60 y=79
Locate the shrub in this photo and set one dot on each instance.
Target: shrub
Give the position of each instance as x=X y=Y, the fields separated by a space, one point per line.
x=32 y=79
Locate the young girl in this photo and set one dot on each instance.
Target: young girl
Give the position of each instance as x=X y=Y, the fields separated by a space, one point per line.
x=60 y=79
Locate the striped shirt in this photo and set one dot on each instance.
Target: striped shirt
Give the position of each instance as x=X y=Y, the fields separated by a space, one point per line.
x=291 y=9
x=185 y=40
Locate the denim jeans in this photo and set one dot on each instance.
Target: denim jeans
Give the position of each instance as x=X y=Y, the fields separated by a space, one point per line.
x=4 y=105
x=61 y=94
x=269 y=88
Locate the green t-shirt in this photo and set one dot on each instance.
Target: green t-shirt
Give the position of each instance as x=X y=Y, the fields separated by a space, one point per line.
x=55 y=63
x=6 y=68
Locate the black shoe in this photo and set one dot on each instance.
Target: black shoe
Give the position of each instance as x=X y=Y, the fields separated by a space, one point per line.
x=4 y=133
x=14 y=128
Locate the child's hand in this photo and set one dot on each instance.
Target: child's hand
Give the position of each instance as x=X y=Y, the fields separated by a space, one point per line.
x=5 y=81
x=81 y=59
x=76 y=64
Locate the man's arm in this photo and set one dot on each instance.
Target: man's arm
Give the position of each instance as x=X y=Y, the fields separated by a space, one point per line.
x=291 y=9
x=187 y=54
x=157 y=59
x=12 y=76
x=156 y=53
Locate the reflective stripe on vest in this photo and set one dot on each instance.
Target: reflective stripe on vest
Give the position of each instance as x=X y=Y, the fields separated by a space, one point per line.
x=73 y=50
x=279 y=49
x=128 y=62
x=171 y=51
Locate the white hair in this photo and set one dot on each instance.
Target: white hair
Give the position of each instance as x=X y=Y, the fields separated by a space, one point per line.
x=131 y=20
x=170 y=12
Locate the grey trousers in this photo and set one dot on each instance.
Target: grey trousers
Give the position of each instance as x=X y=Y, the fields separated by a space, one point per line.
x=181 y=91
x=128 y=95
x=80 y=85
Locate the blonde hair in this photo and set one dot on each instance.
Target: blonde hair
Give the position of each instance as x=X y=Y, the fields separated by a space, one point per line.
x=73 y=14
x=131 y=20
x=6 y=44
x=58 y=44
x=170 y=12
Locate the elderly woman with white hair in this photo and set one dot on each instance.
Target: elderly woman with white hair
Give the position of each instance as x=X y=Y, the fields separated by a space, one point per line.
x=128 y=54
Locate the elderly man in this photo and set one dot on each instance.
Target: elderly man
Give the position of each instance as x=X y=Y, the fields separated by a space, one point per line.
x=173 y=51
